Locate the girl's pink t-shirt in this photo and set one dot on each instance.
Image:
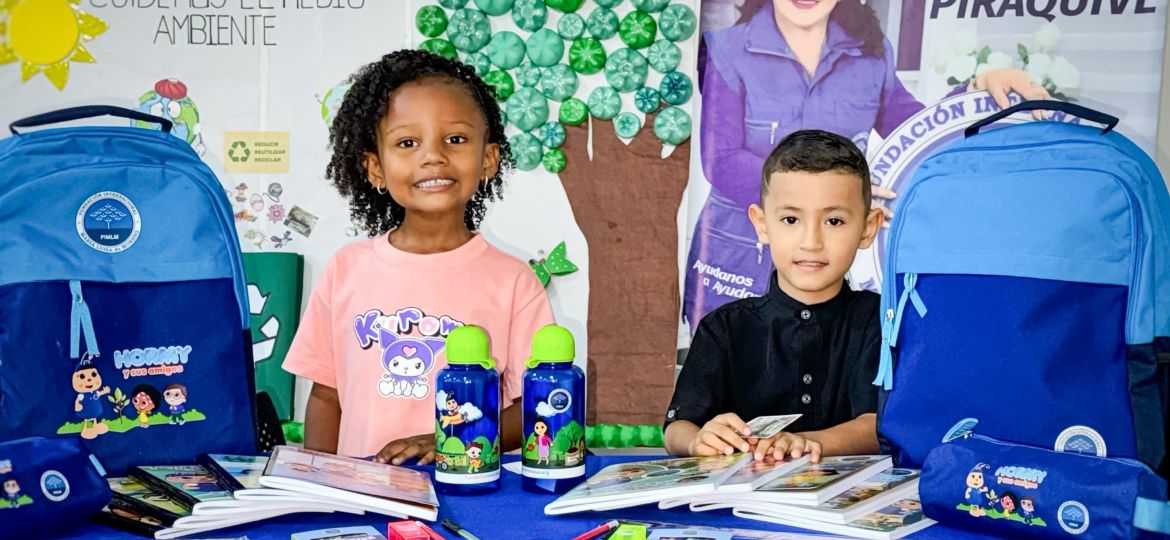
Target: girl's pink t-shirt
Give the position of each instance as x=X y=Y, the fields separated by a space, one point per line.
x=376 y=326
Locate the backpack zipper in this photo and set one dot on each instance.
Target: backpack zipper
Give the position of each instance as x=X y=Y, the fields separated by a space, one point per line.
x=1124 y=461
x=891 y=328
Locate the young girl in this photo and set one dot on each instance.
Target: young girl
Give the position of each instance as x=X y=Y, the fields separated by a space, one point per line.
x=791 y=65
x=418 y=148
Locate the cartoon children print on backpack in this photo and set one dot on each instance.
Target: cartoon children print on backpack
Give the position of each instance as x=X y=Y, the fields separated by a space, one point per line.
x=145 y=399
x=143 y=407
x=980 y=500
x=175 y=395
x=87 y=382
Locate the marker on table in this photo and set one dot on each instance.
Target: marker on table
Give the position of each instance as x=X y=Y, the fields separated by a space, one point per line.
x=598 y=531
x=455 y=528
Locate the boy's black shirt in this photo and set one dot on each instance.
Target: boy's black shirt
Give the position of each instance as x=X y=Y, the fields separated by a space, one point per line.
x=774 y=355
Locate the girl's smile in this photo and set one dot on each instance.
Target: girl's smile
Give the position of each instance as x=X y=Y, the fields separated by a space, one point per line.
x=434 y=184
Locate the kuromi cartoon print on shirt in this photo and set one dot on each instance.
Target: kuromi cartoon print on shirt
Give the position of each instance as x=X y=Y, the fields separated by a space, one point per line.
x=410 y=342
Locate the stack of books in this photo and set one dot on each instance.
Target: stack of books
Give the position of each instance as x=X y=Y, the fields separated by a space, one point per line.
x=860 y=496
x=225 y=490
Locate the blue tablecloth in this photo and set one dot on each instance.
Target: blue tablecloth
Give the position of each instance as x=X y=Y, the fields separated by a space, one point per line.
x=512 y=513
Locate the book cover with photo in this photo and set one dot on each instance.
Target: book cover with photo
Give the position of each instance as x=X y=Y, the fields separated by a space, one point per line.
x=815 y=483
x=746 y=478
x=640 y=482
x=132 y=493
x=887 y=487
x=234 y=472
x=121 y=515
x=893 y=521
x=760 y=473
x=187 y=485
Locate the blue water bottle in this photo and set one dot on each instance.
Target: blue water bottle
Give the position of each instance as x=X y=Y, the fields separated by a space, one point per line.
x=467 y=416
x=554 y=414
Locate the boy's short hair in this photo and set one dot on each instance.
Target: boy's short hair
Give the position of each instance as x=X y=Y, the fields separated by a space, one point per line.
x=817 y=151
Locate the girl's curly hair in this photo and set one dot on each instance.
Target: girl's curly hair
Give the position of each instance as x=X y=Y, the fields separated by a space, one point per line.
x=354 y=132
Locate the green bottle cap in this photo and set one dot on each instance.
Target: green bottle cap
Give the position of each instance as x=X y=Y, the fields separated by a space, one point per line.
x=552 y=343
x=470 y=345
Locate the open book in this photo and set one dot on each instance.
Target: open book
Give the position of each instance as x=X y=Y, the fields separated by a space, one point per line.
x=893 y=521
x=888 y=487
x=641 y=482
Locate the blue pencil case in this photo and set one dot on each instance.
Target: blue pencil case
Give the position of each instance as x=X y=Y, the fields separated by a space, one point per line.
x=987 y=485
x=48 y=486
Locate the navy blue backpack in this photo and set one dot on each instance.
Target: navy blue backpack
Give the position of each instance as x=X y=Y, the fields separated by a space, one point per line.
x=123 y=312
x=1026 y=286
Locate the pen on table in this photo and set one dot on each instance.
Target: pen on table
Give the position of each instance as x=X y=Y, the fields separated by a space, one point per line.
x=598 y=531
x=455 y=528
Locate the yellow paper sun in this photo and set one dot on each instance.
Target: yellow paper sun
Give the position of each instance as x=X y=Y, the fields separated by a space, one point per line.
x=45 y=35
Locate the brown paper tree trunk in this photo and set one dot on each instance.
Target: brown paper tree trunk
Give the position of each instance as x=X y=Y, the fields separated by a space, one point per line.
x=626 y=201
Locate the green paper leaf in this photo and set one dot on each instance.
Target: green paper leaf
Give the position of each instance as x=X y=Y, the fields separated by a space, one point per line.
x=983 y=54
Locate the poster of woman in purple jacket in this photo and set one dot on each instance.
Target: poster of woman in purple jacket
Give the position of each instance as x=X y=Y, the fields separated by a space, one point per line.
x=789 y=65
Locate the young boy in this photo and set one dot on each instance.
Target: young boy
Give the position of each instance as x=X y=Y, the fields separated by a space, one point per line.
x=810 y=345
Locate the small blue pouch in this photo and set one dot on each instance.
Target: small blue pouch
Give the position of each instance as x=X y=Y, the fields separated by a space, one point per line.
x=48 y=486
x=979 y=483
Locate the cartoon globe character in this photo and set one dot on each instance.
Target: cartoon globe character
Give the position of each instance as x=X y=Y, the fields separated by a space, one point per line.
x=331 y=102
x=169 y=100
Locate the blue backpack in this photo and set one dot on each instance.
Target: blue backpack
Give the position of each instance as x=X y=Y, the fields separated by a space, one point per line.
x=1026 y=284
x=123 y=312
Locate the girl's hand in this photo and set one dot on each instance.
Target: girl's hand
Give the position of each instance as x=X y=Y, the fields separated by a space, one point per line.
x=396 y=452
x=785 y=444
x=999 y=82
x=724 y=434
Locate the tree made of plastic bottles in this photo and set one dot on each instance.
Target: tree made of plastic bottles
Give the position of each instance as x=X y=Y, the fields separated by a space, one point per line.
x=591 y=90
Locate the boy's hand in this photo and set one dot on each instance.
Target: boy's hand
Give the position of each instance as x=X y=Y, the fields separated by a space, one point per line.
x=785 y=444
x=421 y=446
x=724 y=434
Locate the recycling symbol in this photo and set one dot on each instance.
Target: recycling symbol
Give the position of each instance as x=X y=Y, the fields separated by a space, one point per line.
x=262 y=345
x=243 y=154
